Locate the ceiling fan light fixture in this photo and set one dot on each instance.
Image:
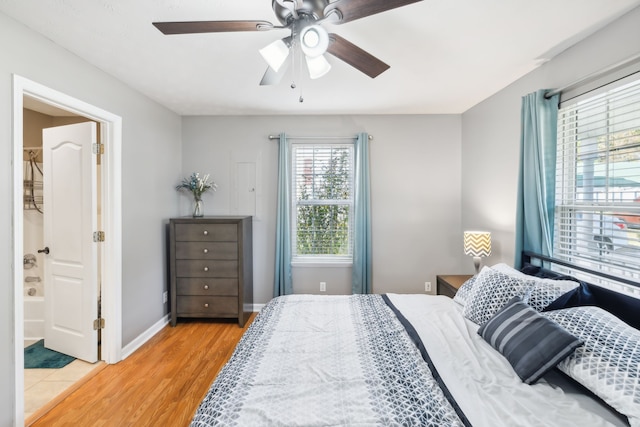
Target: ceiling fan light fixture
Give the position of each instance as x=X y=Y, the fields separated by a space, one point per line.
x=314 y=41
x=318 y=66
x=275 y=54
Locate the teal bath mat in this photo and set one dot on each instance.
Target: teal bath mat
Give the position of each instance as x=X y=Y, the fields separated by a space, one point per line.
x=36 y=356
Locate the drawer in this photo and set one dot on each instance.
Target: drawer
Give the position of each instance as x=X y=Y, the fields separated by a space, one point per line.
x=206 y=232
x=225 y=287
x=207 y=306
x=207 y=250
x=206 y=268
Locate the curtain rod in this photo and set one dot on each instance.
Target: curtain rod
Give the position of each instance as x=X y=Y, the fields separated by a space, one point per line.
x=593 y=76
x=318 y=137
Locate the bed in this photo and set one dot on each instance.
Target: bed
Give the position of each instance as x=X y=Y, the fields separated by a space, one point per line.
x=479 y=359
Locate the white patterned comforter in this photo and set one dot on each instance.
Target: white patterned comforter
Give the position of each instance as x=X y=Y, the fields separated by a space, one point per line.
x=349 y=361
x=318 y=361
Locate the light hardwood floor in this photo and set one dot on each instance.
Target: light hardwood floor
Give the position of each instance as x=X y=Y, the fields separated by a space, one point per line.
x=161 y=384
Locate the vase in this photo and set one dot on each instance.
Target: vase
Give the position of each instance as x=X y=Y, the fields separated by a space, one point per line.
x=198 y=208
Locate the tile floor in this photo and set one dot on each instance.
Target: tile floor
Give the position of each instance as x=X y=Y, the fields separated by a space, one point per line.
x=42 y=385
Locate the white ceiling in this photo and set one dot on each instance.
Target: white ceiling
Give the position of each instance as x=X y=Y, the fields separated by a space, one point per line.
x=445 y=55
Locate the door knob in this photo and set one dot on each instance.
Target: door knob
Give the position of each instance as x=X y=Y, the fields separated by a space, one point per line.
x=45 y=250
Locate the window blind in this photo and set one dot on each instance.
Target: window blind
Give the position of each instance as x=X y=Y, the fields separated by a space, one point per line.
x=597 y=219
x=323 y=200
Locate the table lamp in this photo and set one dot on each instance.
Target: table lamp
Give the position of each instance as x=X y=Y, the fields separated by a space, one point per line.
x=477 y=244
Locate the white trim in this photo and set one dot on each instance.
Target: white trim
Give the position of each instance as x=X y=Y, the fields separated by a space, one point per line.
x=258 y=307
x=141 y=339
x=18 y=276
x=315 y=263
x=111 y=133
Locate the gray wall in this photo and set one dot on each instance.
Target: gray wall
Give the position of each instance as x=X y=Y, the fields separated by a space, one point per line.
x=151 y=167
x=415 y=185
x=491 y=131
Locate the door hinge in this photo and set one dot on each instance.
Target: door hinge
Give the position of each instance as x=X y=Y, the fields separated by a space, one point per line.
x=98 y=236
x=98 y=148
x=98 y=324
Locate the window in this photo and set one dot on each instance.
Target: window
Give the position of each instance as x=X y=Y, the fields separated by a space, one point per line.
x=322 y=202
x=597 y=218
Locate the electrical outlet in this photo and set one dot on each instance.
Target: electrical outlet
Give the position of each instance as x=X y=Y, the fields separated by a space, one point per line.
x=165 y=296
x=323 y=286
x=427 y=286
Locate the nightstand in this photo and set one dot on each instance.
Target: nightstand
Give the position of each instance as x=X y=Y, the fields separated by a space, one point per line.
x=449 y=284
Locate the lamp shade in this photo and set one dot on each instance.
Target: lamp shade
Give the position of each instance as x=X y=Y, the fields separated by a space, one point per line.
x=477 y=243
x=275 y=54
x=318 y=66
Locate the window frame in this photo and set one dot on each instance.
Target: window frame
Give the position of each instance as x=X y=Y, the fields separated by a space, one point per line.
x=320 y=260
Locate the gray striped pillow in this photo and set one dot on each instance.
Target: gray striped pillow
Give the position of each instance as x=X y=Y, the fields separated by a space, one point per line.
x=532 y=344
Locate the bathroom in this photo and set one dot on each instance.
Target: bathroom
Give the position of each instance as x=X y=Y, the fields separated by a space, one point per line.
x=33 y=261
x=33 y=264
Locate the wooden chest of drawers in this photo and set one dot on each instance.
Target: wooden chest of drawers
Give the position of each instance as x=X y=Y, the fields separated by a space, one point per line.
x=211 y=267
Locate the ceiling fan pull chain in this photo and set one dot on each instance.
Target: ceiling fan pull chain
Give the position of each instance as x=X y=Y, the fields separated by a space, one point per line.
x=300 y=73
x=294 y=54
x=297 y=55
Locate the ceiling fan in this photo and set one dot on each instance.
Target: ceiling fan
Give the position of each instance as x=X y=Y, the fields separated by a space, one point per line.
x=303 y=18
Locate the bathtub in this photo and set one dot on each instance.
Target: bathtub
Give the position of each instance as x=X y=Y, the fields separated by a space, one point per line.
x=33 y=316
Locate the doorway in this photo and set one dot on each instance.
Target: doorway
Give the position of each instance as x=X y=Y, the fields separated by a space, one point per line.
x=58 y=306
x=110 y=197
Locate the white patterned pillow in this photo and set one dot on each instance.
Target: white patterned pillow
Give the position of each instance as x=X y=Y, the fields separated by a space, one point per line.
x=507 y=269
x=609 y=362
x=463 y=292
x=543 y=291
x=491 y=291
x=546 y=291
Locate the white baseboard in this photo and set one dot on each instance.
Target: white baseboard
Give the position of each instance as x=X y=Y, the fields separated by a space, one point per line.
x=130 y=348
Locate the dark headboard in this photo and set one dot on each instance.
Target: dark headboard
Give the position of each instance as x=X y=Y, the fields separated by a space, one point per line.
x=626 y=308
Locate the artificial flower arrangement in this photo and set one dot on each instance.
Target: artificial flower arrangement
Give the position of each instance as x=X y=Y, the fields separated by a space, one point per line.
x=197 y=186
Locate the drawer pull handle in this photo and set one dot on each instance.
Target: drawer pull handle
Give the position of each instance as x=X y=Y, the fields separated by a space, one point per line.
x=206 y=305
x=206 y=251
x=206 y=233
x=206 y=269
x=206 y=287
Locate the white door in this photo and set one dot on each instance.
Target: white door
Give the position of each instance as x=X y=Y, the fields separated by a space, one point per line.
x=70 y=218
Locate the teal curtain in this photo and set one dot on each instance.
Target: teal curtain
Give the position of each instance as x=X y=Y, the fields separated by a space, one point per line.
x=537 y=179
x=282 y=281
x=362 y=270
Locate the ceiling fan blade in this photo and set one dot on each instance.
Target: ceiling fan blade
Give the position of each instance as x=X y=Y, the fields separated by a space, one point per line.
x=356 y=57
x=350 y=10
x=272 y=77
x=192 y=27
